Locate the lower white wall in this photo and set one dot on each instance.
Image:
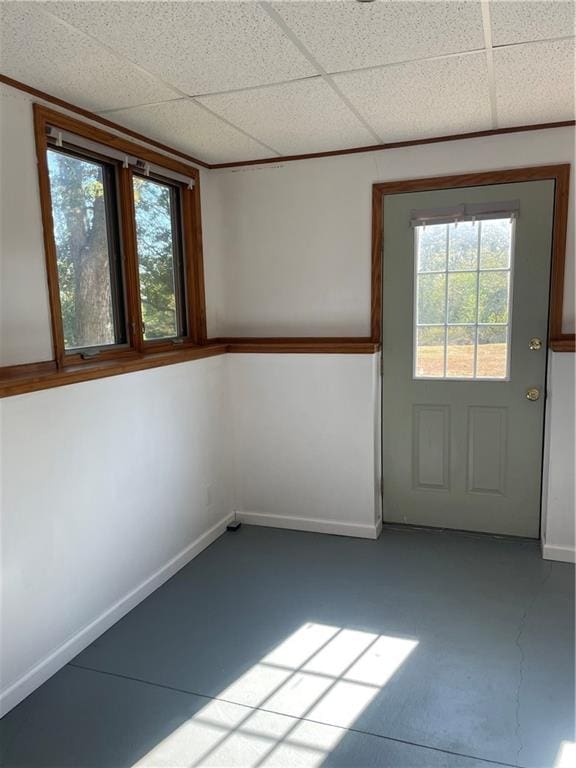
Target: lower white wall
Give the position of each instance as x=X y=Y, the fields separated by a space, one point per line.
x=559 y=493
x=305 y=447
x=108 y=487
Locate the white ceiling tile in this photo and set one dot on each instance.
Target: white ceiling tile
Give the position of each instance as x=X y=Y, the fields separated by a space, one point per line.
x=199 y=47
x=186 y=126
x=535 y=82
x=42 y=52
x=350 y=35
x=294 y=118
x=517 y=22
x=406 y=101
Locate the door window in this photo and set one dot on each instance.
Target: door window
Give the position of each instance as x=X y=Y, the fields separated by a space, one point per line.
x=463 y=286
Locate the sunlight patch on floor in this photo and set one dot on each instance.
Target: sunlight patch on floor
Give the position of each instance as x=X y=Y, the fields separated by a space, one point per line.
x=322 y=673
x=566 y=755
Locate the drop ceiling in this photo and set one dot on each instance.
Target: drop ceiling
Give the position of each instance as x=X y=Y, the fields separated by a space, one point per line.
x=231 y=81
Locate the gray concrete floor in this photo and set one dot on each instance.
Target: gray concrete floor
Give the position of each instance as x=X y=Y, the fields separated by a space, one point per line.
x=296 y=649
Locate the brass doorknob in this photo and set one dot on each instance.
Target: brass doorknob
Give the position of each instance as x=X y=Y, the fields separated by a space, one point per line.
x=533 y=393
x=535 y=343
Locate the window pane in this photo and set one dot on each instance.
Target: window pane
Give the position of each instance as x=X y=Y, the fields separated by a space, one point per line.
x=492 y=352
x=493 y=297
x=460 y=351
x=432 y=245
x=78 y=192
x=431 y=298
x=430 y=351
x=462 y=297
x=496 y=241
x=463 y=308
x=463 y=251
x=156 y=245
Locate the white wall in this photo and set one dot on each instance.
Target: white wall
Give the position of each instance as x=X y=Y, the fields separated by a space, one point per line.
x=293 y=253
x=24 y=309
x=559 y=492
x=104 y=484
x=107 y=487
x=292 y=257
x=305 y=452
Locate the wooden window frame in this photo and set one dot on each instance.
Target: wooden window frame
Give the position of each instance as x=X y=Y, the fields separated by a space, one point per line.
x=117 y=282
x=560 y=174
x=187 y=275
x=191 y=241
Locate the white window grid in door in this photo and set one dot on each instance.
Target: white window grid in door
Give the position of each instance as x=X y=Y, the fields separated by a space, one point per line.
x=463 y=300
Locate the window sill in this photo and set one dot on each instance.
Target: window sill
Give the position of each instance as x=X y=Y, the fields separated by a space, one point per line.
x=17 y=380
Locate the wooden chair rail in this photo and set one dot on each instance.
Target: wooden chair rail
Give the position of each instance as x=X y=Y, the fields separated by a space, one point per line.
x=20 y=379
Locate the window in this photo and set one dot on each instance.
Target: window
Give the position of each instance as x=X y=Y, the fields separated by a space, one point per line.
x=158 y=239
x=87 y=253
x=463 y=299
x=123 y=243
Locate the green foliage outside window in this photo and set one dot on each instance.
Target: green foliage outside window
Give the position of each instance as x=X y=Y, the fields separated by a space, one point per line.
x=442 y=245
x=155 y=244
x=81 y=237
x=78 y=191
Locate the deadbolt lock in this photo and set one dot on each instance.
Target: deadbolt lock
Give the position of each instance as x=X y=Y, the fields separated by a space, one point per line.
x=535 y=343
x=533 y=393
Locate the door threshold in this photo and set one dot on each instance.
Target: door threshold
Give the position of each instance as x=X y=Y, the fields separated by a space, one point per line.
x=411 y=528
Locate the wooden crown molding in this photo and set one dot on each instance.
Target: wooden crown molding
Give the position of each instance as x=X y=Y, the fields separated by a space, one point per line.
x=399 y=144
x=99 y=119
x=280 y=158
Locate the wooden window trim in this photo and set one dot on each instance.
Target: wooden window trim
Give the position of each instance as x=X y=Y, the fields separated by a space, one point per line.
x=560 y=174
x=191 y=244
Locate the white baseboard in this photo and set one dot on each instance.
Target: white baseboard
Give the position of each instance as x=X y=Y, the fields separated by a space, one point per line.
x=48 y=666
x=311 y=524
x=562 y=554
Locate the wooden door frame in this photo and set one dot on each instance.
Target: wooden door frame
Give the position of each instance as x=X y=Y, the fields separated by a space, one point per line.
x=560 y=174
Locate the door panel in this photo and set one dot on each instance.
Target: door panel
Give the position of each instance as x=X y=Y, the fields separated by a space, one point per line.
x=487 y=439
x=431 y=446
x=462 y=452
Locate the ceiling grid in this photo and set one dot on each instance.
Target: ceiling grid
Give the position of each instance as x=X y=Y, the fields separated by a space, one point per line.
x=487 y=27
x=235 y=81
